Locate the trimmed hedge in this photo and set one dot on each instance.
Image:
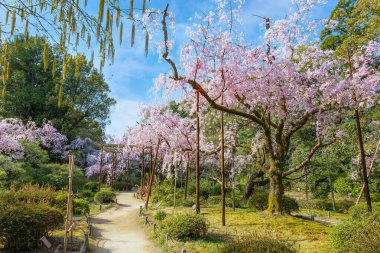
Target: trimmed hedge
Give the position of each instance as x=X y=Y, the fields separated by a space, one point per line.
x=21 y=226
x=105 y=196
x=185 y=226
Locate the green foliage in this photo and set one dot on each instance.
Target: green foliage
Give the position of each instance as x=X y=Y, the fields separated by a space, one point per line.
x=360 y=234
x=257 y=244
x=21 y=226
x=185 y=226
x=258 y=200
x=121 y=186
x=343 y=186
x=29 y=193
x=32 y=91
x=105 y=196
x=360 y=211
x=326 y=205
x=289 y=204
x=186 y=203
x=160 y=215
x=81 y=207
x=92 y=186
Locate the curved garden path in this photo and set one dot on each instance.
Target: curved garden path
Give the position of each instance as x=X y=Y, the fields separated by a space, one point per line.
x=118 y=230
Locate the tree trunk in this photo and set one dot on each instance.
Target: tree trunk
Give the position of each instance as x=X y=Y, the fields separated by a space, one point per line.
x=275 y=194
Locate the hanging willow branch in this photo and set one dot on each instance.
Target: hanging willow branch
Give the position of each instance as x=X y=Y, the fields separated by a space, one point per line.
x=68 y=24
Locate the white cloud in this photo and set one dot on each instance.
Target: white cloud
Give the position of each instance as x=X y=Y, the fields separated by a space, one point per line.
x=125 y=114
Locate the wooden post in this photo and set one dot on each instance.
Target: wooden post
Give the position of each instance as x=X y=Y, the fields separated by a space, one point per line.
x=69 y=210
x=113 y=168
x=152 y=175
x=222 y=166
x=197 y=166
x=369 y=171
x=330 y=181
x=175 y=188
x=187 y=174
x=100 y=169
x=142 y=171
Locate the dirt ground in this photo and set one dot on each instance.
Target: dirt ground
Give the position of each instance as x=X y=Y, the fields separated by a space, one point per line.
x=118 y=230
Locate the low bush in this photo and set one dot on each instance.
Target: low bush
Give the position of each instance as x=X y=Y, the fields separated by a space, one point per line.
x=160 y=215
x=21 y=226
x=81 y=207
x=359 y=211
x=360 y=234
x=87 y=194
x=257 y=244
x=320 y=204
x=185 y=226
x=30 y=193
x=289 y=204
x=105 y=196
x=258 y=200
x=120 y=186
x=186 y=203
x=92 y=186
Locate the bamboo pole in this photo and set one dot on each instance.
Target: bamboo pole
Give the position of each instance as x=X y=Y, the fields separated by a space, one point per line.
x=142 y=172
x=152 y=175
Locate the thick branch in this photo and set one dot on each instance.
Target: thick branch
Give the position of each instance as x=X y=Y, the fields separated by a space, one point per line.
x=308 y=158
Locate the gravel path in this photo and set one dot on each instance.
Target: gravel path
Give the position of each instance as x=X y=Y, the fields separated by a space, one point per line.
x=118 y=230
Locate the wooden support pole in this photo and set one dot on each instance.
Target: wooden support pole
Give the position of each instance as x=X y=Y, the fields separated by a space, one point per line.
x=362 y=161
x=222 y=167
x=100 y=169
x=369 y=172
x=142 y=171
x=197 y=166
x=69 y=210
x=152 y=174
x=187 y=174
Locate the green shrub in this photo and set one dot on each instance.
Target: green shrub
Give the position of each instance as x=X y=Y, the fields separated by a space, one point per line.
x=21 y=226
x=214 y=200
x=160 y=215
x=289 y=204
x=375 y=197
x=105 y=196
x=87 y=194
x=238 y=202
x=343 y=185
x=258 y=200
x=343 y=205
x=92 y=186
x=186 y=203
x=120 y=185
x=359 y=211
x=81 y=207
x=30 y=193
x=185 y=226
x=314 y=204
x=360 y=234
x=257 y=244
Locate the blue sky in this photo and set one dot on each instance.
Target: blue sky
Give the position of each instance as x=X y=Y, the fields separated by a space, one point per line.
x=132 y=74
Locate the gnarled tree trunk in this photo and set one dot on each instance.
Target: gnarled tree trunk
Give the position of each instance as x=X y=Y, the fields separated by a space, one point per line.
x=276 y=192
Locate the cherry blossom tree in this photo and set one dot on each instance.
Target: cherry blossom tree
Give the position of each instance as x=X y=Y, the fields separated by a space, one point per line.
x=280 y=86
x=13 y=131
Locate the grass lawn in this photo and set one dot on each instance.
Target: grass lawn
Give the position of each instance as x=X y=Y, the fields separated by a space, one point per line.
x=308 y=236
